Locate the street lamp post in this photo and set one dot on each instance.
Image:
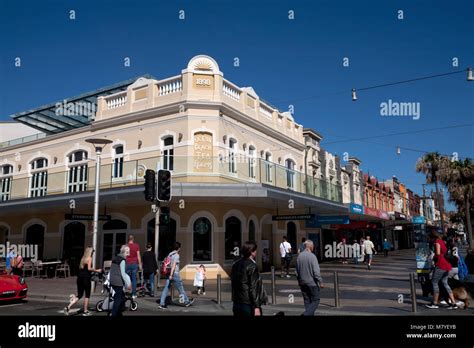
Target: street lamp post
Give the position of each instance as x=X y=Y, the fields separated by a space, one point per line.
x=99 y=144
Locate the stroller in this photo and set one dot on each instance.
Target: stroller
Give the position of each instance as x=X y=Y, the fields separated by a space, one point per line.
x=107 y=303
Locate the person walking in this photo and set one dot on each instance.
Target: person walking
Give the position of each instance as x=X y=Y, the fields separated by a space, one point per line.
x=441 y=273
x=302 y=247
x=386 y=247
x=200 y=280
x=9 y=259
x=247 y=288
x=119 y=279
x=175 y=279
x=369 y=251
x=83 y=282
x=285 y=253
x=309 y=278
x=356 y=251
x=150 y=266
x=134 y=263
x=17 y=265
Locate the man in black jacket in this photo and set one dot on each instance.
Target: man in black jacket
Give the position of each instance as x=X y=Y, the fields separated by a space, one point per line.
x=246 y=285
x=150 y=266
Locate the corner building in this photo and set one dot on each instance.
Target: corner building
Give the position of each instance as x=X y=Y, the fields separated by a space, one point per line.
x=235 y=161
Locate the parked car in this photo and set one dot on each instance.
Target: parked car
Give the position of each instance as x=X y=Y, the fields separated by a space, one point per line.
x=12 y=287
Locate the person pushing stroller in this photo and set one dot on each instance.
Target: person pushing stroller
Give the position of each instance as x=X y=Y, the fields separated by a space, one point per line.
x=119 y=279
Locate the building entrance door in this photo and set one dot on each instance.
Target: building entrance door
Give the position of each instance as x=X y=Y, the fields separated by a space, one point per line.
x=111 y=243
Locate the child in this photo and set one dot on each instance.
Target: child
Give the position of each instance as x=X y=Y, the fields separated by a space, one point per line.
x=199 y=280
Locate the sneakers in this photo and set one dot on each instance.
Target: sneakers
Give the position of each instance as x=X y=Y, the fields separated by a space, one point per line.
x=453 y=306
x=443 y=303
x=432 y=306
x=369 y=267
x=189 y=303
x=66 y=310
x=288 y=276
x=160 y=306
x=282 y=276
x=86 y=314
x=204 y=293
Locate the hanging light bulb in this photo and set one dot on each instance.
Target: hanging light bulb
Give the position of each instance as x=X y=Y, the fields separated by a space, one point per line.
x=469 y=74
x=354 y=94
x=398 y=150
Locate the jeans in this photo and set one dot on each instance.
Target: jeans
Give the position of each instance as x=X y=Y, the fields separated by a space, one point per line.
x=385 y=252
x=150 y=279
x=178 y=283
x=243 y=310
x=119 y=298
x=132 y=269
x=311 y=299
x=440 y=274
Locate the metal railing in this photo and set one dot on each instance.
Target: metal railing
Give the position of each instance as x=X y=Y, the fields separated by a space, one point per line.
x=242 y=170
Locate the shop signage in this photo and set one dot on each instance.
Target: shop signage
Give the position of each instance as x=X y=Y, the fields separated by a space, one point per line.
x=371 y=212
x=383 y=215
x=319 y=220
x=86 y=217
x=356 y=208
x=293 y=217
x=418 y=220
x=202 y=152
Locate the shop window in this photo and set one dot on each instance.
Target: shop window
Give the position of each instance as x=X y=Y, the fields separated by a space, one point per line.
x=233 y=237
x=202 y=240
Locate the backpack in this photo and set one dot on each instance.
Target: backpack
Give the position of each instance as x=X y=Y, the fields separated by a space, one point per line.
x=463 y=272
x=166 y=265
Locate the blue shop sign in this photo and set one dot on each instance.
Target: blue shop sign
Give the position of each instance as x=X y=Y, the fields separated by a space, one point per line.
x=319 y=220
x=418 y=220
x=356 y=208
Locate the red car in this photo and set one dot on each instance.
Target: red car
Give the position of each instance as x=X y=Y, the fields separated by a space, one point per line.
x=12 y=287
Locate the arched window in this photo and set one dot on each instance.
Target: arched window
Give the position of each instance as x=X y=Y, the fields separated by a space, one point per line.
x=252 y=231
x=268 y=167
x=167 y=237
x=6 y=172
x=39 y=177
x=115 y=224
x=290 y=173
x=233 y=237
x=232 y=166
x=73 y=244
x=252 y=162
x=117 y=170
x=77 y=175
x=202 y=240
x=168 y=153
x=35 y=236
x=3 y=234
x=291 y=234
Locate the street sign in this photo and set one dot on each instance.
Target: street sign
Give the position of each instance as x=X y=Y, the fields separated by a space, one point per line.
x=418 y=220
x=86 y=217
x=319 y=220
x=293 y=217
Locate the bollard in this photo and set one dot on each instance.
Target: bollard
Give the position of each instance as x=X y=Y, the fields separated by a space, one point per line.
x=274 y=298
x=413 y=293
x=219 y=288
x=336 y=290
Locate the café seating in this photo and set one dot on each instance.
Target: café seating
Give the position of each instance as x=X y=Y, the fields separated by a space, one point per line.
x=28 y=267
x=37 y=268
x=64 y=268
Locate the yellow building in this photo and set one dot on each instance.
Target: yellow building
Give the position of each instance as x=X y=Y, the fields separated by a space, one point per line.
x=236 y=161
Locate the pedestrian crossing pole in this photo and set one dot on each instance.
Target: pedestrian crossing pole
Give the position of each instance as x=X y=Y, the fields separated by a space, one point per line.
x=157 y=241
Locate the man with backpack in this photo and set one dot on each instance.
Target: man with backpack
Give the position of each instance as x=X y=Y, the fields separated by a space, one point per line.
x=171 y=270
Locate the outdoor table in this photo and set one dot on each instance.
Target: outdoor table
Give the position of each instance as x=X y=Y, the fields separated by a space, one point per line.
x=50 y=265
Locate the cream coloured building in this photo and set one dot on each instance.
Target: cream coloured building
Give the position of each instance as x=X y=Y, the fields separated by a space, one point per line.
x=236 y=161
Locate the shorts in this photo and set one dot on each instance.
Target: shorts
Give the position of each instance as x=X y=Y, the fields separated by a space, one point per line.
x=83 y=285
x=369 y=256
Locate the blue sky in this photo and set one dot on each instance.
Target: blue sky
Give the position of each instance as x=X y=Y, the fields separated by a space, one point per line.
x=296 y=62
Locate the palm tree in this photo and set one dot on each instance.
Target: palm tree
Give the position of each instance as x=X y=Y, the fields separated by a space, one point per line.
x=433 y=166
x=459 y=179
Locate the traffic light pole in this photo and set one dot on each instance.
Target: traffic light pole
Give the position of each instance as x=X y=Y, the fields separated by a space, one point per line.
x=157 y=241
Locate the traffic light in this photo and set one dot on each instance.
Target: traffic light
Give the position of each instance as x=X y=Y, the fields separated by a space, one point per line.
x=164 y=185
x=150 y=185
x=164 y=216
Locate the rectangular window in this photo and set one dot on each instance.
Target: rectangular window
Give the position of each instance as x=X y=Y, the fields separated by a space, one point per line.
x=38 y=184
x=77 y=179
x=5 y=188
x=117 y=171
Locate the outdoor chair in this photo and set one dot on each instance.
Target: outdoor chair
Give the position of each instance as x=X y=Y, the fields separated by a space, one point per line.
x=37 y=268
x=28 y=267
x=64 y=268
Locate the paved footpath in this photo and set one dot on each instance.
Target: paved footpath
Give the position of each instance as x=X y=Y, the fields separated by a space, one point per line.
x=362 y=292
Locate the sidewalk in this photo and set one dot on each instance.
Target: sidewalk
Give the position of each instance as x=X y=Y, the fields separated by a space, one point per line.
x=362 y=292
